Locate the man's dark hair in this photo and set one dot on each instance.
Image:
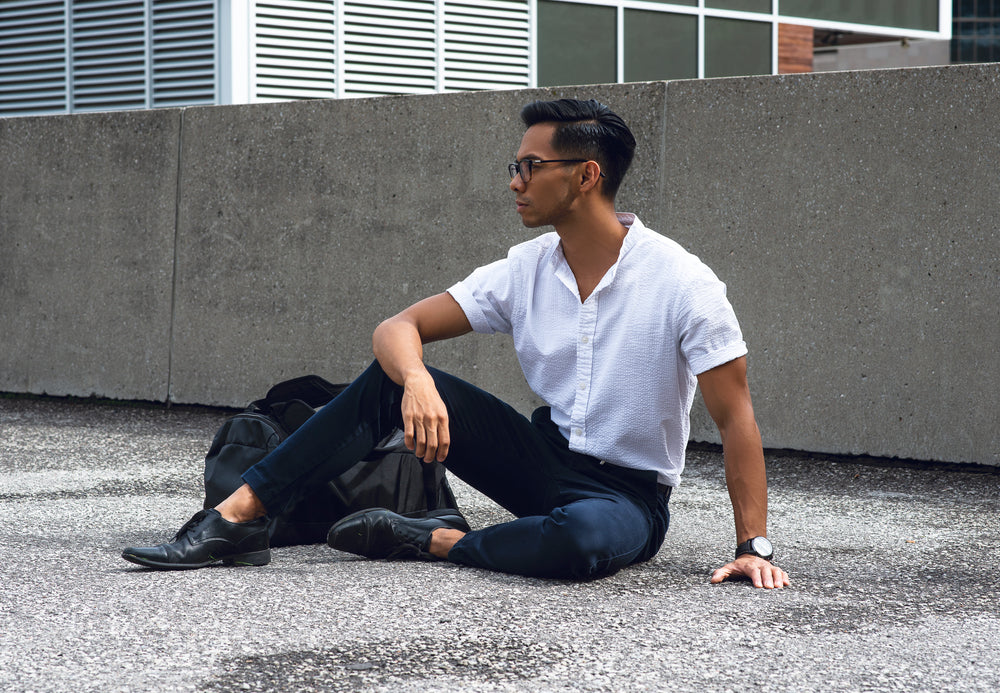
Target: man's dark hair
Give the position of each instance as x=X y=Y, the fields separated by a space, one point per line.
x=587 y=130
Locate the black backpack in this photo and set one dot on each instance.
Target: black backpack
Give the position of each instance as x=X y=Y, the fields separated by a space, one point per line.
x=390 y=477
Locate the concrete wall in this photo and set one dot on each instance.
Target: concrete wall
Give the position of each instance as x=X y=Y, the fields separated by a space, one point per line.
x=202 y=255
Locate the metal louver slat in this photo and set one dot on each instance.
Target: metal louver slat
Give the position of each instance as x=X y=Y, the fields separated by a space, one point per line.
x=390 y=47
x=32 y=58
x=294 y=52
x=486 y=45
x=183 y=52
x=108 y=69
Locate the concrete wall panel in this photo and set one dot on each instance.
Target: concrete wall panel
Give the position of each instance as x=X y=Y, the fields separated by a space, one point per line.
x=854 y=217
x=87 y=207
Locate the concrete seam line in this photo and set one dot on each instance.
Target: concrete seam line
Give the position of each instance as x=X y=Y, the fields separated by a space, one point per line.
x=173 y=276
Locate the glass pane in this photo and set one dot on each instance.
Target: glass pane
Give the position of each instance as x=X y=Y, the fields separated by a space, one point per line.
x=908 y=14
x=966 y=50
x=576 y=44
x=740 y=5
x=734 y=47
x=692 y=3
x=660 y=45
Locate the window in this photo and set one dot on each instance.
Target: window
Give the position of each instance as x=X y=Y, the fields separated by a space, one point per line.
x=734 y=47
x=660 y=45
x=577 y=44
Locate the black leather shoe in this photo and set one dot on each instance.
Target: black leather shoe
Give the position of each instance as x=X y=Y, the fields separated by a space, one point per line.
x=379 y=533
x=205 y=539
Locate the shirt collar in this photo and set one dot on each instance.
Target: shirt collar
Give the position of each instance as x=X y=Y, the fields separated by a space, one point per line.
x=565 y=274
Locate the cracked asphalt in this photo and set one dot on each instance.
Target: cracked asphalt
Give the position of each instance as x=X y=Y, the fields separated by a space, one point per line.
x=895 y=584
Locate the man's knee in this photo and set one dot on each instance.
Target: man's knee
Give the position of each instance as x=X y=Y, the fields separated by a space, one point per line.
x=587 y=545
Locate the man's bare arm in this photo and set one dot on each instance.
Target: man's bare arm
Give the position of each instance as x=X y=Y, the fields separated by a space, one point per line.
x=398 y=346
x=727 y=398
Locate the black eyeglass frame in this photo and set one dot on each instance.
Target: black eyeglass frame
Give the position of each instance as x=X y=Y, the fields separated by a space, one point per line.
x=517 y=167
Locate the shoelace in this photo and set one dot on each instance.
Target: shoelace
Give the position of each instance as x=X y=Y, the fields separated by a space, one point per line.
x=190 y=524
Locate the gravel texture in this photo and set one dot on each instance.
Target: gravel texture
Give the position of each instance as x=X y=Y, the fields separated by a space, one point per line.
x=895 y=584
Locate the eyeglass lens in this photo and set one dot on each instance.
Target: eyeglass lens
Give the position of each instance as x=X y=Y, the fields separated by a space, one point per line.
x=521 y=167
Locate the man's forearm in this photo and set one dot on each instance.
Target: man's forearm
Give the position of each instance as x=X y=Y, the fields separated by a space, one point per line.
x=746 y=479
x=399 y=350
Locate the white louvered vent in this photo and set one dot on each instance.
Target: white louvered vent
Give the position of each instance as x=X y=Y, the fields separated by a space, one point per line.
x=486 y=44
x=294 y=50
x=183 y=52
x=108 y=68
x=390 y=47
x=32 y=57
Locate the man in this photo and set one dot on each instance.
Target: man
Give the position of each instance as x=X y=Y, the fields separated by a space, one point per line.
x=614 y=326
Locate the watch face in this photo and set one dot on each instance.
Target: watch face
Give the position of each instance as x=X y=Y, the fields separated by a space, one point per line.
x=762 y=547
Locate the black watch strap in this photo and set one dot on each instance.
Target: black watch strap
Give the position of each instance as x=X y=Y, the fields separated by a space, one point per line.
x=757 y=546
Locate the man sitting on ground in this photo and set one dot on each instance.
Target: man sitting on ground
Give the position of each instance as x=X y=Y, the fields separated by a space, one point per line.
x=614 y=326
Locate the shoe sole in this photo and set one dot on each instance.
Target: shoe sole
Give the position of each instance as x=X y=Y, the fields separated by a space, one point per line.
x=254 y=558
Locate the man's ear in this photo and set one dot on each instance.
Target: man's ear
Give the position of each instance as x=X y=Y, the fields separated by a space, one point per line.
x=591 y=176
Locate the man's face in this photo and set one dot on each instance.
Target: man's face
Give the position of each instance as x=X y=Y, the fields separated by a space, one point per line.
x=548 y=196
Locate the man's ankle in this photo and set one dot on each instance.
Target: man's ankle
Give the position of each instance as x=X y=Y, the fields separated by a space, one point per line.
x=442 y=539
x=242 y=506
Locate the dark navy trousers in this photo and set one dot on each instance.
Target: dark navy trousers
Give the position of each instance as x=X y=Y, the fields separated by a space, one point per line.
x=576 y=517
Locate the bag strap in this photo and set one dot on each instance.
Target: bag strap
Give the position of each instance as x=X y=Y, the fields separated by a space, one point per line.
x=311 y=389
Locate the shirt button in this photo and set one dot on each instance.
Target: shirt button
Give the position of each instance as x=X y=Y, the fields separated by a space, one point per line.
x=582 y=386
x=578 y=431
x=584 y=339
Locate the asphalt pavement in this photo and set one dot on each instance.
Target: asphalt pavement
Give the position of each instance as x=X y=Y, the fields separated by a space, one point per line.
x=895 y=584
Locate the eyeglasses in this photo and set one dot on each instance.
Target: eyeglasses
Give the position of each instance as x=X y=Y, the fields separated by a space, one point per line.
x=524 y=166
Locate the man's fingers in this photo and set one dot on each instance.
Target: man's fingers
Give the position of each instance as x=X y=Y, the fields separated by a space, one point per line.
x=720 y=575
x=428 y=438
x=762 y=578
x=425 y=421
x=766 y=577
x=430 y=449
x=443 y=445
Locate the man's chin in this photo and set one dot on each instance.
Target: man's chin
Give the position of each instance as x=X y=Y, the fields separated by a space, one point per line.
x=531 y=223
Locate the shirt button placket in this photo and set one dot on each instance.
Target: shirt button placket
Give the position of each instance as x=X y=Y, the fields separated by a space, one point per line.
x=584 y=370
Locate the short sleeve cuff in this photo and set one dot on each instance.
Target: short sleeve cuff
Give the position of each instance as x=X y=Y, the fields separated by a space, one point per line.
x=707 y=362
x=467 y=302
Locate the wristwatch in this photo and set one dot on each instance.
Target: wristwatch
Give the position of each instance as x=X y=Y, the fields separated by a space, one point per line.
x=758 y=546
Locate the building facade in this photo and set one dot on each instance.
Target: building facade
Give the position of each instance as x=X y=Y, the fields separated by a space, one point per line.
x=66 y=56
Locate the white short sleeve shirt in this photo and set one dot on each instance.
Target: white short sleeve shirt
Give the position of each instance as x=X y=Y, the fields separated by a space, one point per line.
x=618 y=370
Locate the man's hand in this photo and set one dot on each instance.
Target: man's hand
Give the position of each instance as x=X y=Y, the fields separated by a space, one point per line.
x=760 y=572
x=425 y=418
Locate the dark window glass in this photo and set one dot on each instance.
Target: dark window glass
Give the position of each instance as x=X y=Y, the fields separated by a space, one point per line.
x=734 y=47
x=989 y=50
x=909 y=14
x=692 y=3
x=576 y=44
x=966 y=50
x=660 y=45
x=740 y=5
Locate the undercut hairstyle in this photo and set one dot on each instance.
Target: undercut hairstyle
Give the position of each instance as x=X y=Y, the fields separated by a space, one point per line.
x=587 y=130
